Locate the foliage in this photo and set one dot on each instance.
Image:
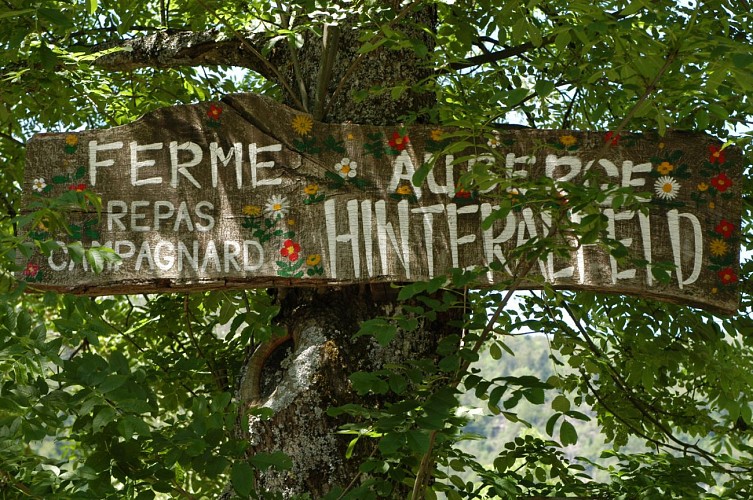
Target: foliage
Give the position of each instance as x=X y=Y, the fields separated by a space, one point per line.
x=136 y=393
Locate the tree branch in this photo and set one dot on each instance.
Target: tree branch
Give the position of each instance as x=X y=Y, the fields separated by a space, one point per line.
x=12 y=139
x=499 y=55
x=171 y=49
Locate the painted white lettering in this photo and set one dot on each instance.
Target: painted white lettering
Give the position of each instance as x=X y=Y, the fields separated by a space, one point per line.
x=452 y=223
x=386 y=234
x=247 y=265
x=232 y=250
x=403 y=170
x=333 y=238
x=183 y=217
x=612 y=218
x=160 y=215
x=205 y=216
x=449 y=176
x=115 y=216
x=145 y=252
x=253 y=150
x=94 y=164
x=136 y=217
x=137 y=164
x=192 y=258
x=428 y=220
x=680 y=245
x=164 y=262
x=210 y=256
x=216 y=154
x=182 y=168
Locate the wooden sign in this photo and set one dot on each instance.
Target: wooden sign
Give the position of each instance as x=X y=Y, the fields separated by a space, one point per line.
x=248 y=193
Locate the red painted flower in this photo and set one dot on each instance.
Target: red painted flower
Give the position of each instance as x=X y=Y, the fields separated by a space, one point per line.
x=31 y=270
x=721 y=182
x=214 y=112
x=290 y=249
x=612 y=138
x=727 y=276
x=398 y=142
x=77 y=187
x=462 y=193
x=716 y=155
x=725 y=228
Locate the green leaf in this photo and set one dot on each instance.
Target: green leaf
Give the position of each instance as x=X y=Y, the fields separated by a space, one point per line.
x=14 y=13
x=561 y=404
x=418 y=441
x=544 y=87
x=379 y=328
x=242 y=478
x=91 y=6
x=568 y=435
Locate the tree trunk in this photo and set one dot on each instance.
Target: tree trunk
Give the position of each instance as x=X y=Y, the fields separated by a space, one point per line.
x=303 y=374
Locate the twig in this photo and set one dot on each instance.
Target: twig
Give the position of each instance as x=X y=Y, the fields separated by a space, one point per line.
x=12 y=139
x=258 y=55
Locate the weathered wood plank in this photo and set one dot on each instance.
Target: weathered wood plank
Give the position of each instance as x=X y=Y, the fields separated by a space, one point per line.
x=248 y=193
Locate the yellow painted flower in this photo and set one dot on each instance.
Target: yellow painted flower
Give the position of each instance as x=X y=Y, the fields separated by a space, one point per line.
x=302 y=124
x=350 y=137
x=715 y=290
x=313 y=259
x=661 y=145
x=702 y=186
x=712 y=205
x=291 y=222
x=664 y=168
x=252 y=210
x=311 y=189
x=404 y=190
x=568 y=140
x=436 y=135
x=71 y=140
x=718 y=247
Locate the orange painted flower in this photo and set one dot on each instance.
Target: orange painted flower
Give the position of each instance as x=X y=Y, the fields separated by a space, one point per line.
x=290 y=249
x=436 y=135
x=727 y=276
x=664 y=168
x=568 y=140
x=404 y=190
x=214 y=112
x=398 y=141
x=313 y=260
x=702 y=186
x=716 y=155
x=725 y=228
x=71 y=140
x=721 y=182
x=311 y=189
x=252 y=210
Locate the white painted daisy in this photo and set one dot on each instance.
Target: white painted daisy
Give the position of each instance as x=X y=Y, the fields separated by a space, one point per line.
x=38 y=185
x=346 y=168
x=666 y=187
x=493 y=141
x=277 y=206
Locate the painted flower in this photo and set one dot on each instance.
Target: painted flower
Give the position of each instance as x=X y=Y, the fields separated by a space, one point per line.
x=463 y=194
x=71 y=140
x=290 y=249
x=436 y=135
x=346 y=168
x=214 y=112
x=721 y=182
x=252 y=210
x=712 y=205
x=31 y=270
x=302 y=124
x=718 y=247
x=664 y=168
x=493 y=141
x=716 y=155
x=398 y=141
x=313 y=260
x=727 y=276
x=291 y=222
x=702 y=186
x=404 y=190
x=77 y=187
x=311 y=189
x=568 y=140
x=277 y=206
x=612 y=138
x=725 y=228
x=350 y=136
x=38 y=185
x=666 y=188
